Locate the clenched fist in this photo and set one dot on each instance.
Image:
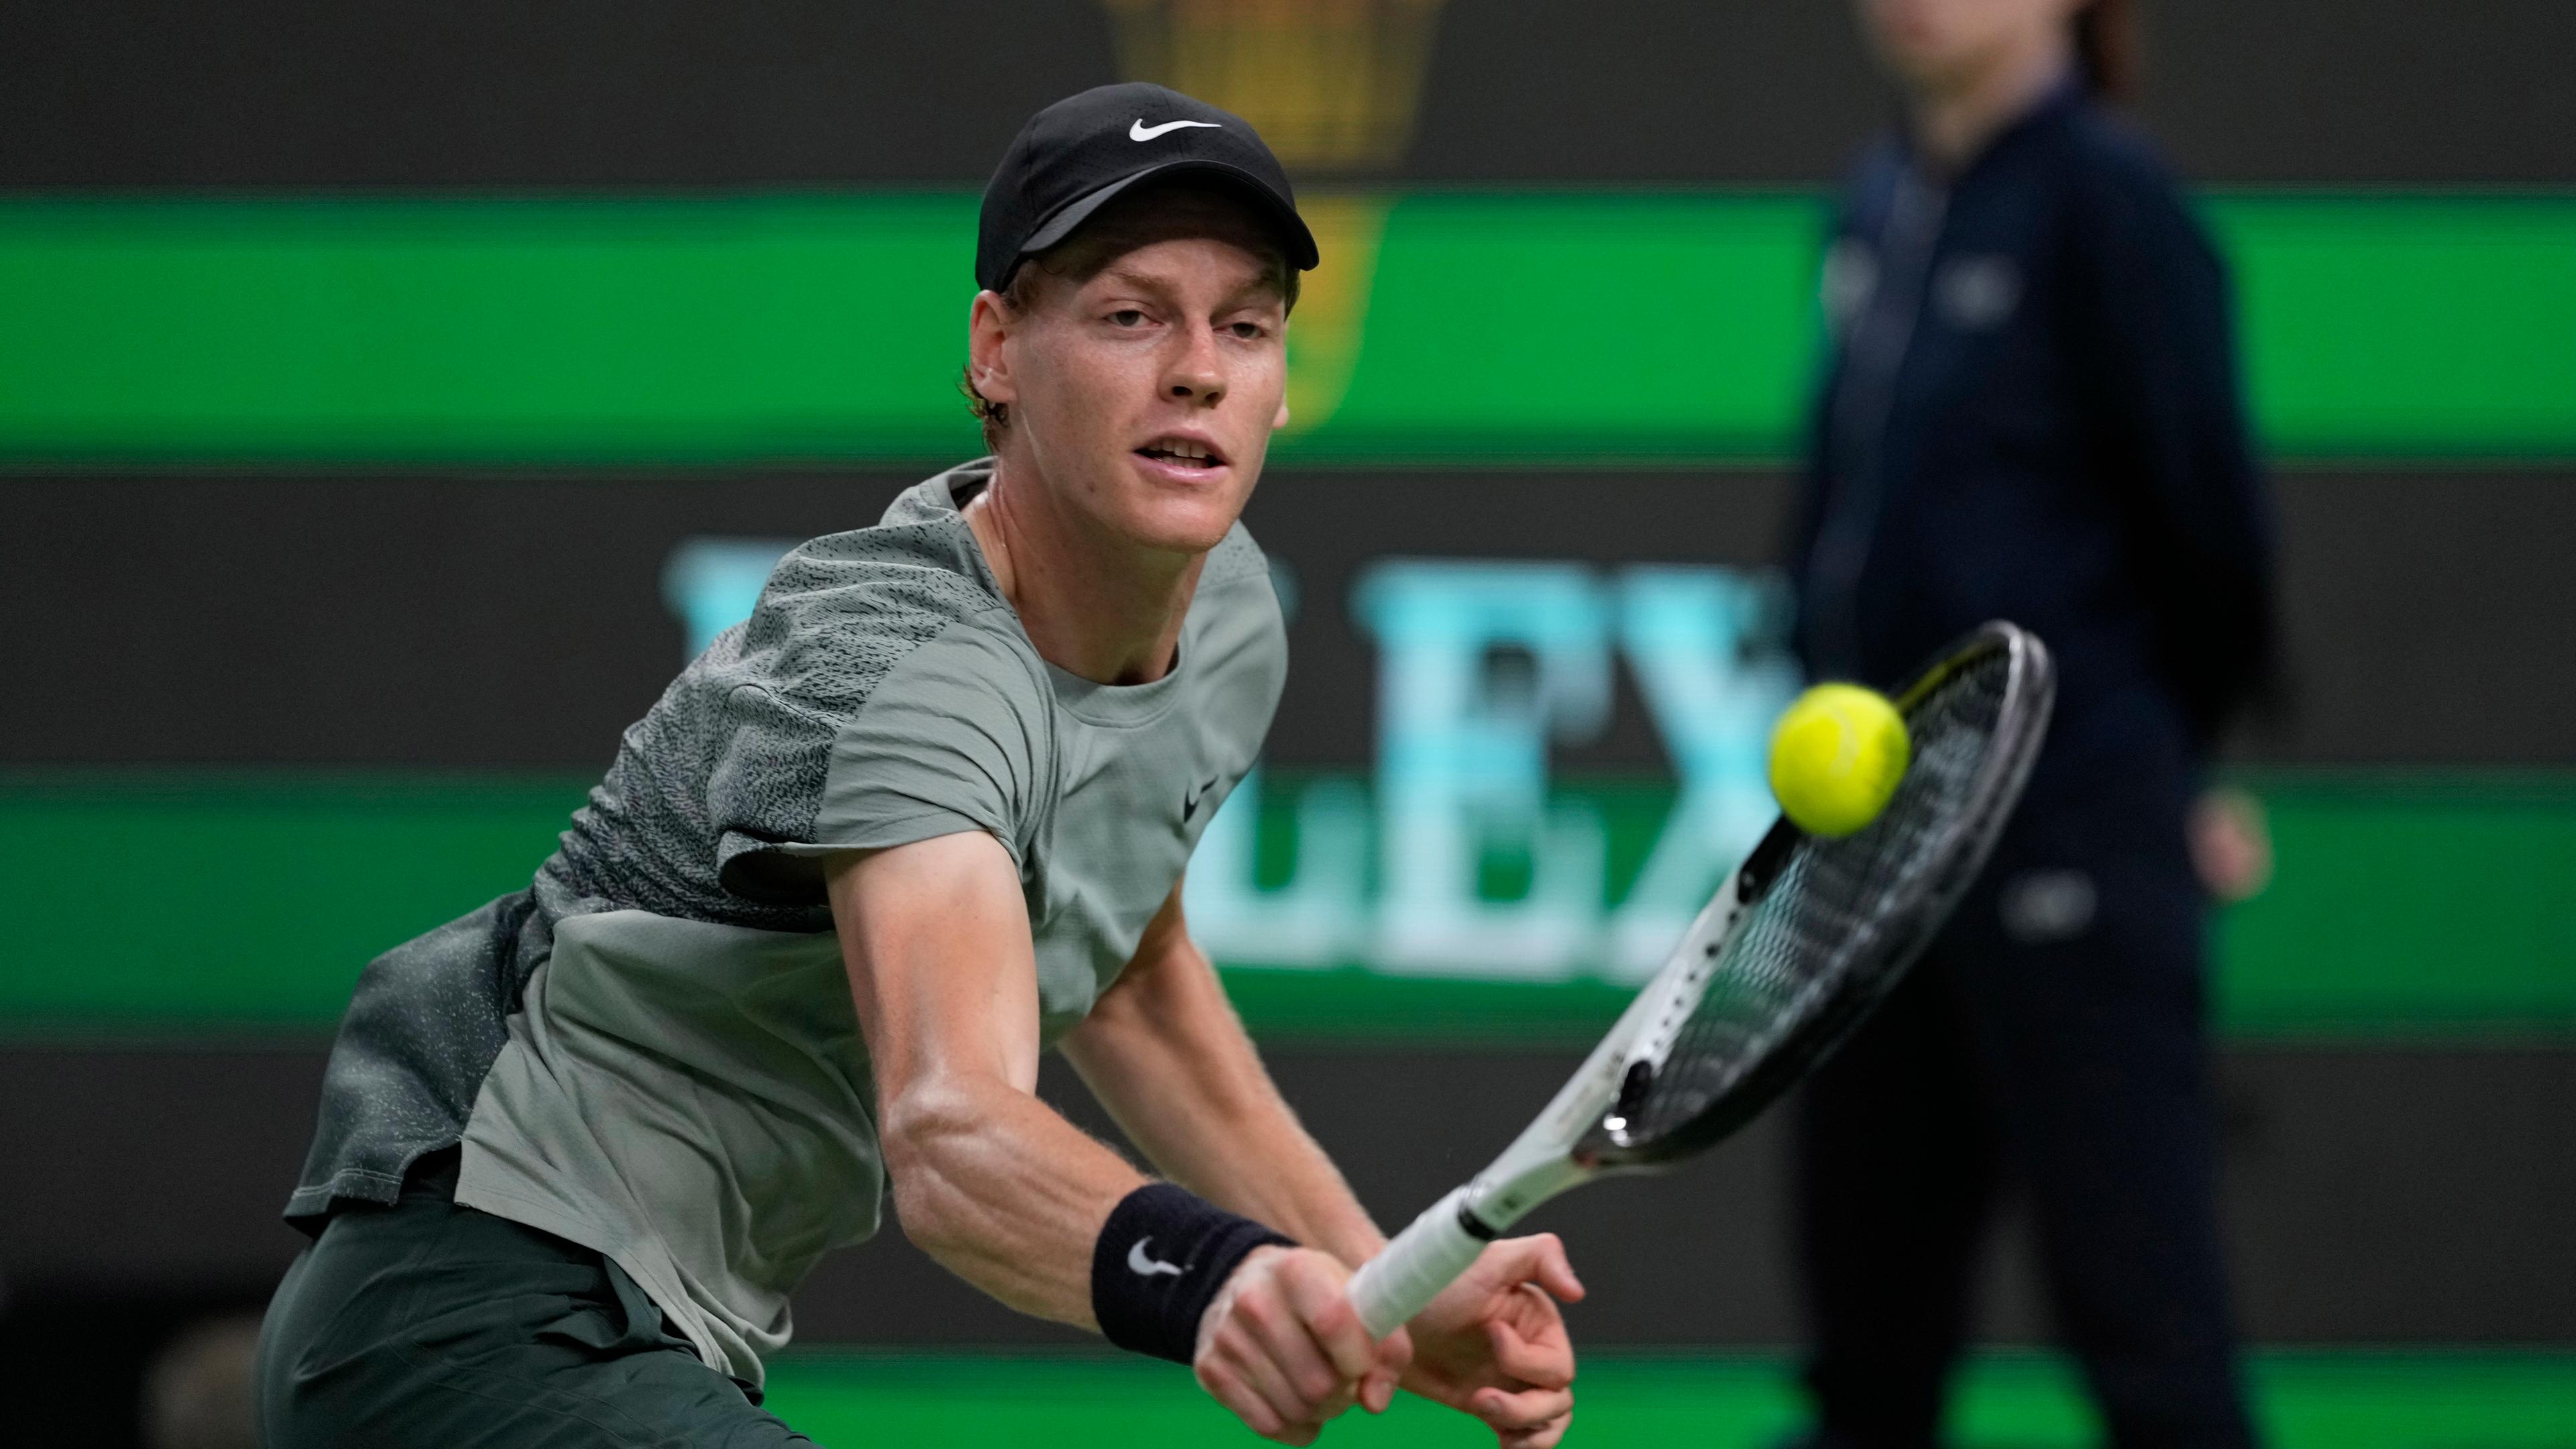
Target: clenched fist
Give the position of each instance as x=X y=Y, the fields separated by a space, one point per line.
x=1282 y=1347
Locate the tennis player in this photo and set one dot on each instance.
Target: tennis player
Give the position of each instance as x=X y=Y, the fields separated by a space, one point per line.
x=920 y=818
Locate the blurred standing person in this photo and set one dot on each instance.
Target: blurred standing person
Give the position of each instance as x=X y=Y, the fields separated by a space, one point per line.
x=2032 y=413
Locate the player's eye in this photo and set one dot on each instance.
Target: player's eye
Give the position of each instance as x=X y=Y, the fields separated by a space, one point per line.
x=1249 y=331
x=1127 y=317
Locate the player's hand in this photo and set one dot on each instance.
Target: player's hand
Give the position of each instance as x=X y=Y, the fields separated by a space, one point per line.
x=1282 y=1347
x=1493 y=1345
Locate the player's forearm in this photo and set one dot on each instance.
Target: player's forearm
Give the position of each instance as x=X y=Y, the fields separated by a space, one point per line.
x=1168 y=1058
x=1291 y=1184
x=1003 y=1192
x=1240 y=1147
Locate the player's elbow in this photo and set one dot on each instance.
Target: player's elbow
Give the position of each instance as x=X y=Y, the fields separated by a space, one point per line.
x=928 y=1136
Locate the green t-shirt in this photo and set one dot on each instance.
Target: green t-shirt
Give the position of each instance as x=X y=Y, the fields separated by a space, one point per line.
x=652 y=1051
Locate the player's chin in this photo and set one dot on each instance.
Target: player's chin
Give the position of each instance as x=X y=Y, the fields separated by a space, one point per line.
x=1191 y=517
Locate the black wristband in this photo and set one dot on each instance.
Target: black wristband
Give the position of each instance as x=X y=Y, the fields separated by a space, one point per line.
x=1159 y=1263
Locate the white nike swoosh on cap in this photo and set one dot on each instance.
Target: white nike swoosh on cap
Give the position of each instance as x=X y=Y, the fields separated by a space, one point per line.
x=1142 y=132
x=1144 y=1267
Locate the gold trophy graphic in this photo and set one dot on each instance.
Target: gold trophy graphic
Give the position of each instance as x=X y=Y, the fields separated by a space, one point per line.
x=1333 y=86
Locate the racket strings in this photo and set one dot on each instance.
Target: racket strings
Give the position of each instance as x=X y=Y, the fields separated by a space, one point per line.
x=1835 y=920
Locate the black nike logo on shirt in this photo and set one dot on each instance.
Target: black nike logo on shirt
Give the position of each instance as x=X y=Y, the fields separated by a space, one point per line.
x=1190 y=801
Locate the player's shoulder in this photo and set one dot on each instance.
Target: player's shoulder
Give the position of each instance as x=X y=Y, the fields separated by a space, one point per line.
x=842 y=611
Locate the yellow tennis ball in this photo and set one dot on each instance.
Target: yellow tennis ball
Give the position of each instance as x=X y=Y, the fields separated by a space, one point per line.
x=1837 y=756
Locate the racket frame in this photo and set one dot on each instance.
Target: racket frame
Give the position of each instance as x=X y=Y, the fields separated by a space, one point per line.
x=1546 y=1158
x=1581 y=1134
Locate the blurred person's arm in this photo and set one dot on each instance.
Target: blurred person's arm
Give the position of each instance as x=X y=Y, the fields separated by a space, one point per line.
x=2164 y=362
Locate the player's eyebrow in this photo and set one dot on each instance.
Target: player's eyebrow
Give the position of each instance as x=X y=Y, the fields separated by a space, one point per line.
x=1268 y=280
x=1270 y=285
x=1119 y=274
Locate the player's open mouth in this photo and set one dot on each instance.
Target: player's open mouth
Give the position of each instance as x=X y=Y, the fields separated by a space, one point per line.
x=1186 y=454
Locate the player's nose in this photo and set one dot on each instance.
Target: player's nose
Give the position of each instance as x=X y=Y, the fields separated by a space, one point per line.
x=1196 y=372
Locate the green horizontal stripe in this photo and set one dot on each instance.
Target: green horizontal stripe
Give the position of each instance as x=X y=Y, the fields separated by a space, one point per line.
x=1463 y=328
x=2377 y=1400
x=484 y=330
x=2409 y=906
x=2404 y=909
x=2408 y=327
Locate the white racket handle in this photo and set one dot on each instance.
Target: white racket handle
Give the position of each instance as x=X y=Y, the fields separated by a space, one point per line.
x=1425 y=1258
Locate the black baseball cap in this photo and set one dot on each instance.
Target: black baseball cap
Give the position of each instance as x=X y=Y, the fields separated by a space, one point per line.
x=1072 y=158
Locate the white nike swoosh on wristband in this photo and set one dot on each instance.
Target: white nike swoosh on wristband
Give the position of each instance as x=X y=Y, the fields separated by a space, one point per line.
x=1144 y=1267
x=1142 y=132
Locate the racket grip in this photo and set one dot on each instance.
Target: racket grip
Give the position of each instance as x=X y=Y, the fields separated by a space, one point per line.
x=1425 y=1258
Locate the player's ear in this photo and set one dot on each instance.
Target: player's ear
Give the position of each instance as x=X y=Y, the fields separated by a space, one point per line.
x=989 y=324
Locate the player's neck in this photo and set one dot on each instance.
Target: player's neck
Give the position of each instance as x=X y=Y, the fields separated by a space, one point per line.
x=1094 y=605
x=1955 y=121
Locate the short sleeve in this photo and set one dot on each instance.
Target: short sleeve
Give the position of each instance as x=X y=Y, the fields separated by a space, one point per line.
x=953 y=739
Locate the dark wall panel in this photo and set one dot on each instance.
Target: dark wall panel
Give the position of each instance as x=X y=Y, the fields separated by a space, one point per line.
x=2360 y=92
x=2349 y=92
x=518 y=622
x=2370 y=1196
x=691 y=92
x=398 y=621
x=2429 y=617
x=485 y=92
x=1647 y=90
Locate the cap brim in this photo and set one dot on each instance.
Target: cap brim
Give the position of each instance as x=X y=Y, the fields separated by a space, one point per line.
x=1069 y=217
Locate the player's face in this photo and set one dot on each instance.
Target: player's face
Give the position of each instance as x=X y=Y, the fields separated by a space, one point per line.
x=1145 y=396
x=1938 y=44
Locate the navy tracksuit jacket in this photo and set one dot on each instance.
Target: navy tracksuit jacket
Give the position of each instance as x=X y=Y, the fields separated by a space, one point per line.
x=2031 y=413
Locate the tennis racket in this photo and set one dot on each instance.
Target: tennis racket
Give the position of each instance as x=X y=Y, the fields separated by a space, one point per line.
x=1795 y=949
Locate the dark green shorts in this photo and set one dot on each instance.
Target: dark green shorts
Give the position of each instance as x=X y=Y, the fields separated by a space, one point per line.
x=426 y=1324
